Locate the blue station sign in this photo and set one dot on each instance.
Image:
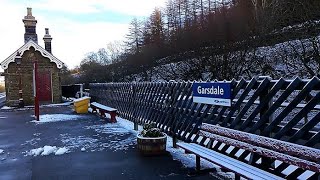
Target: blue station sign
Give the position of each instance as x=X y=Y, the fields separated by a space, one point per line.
x=216 y=93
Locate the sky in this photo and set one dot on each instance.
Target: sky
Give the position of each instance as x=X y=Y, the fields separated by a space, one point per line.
x=76 y=26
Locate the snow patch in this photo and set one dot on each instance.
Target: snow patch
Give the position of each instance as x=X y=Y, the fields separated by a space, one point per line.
x=35 y=152
x=114 y=131
x=61 y=151
x=57 y=117
x=6 y=107
x=47 y=150
x=82 y=99
x=115 y=136
x=32 y=142
x=109 y=129
x=37 y=134
x=1 y=151
x=128 y=125
x=57 y=105
x=74 y=143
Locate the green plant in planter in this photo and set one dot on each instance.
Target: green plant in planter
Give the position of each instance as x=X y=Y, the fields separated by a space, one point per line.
x=151 y=141
x=151 y=130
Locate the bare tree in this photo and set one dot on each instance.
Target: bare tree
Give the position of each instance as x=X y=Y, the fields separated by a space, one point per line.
x=134 y=38
x=115 y=50
x=103 y=56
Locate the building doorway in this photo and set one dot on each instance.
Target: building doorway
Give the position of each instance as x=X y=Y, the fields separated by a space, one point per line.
x=44 y=86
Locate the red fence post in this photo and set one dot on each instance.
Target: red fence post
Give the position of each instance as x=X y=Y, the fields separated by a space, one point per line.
x=35 y=86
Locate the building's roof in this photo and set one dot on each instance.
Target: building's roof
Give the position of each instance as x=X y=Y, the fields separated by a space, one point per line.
x=4 y=64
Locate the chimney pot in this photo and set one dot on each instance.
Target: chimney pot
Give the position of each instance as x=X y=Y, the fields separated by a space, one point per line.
x=47 y=31
x=29 y=11
x=47 y=40
x=30 y=27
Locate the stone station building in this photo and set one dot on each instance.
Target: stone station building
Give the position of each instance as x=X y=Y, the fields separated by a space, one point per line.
x=19 y=69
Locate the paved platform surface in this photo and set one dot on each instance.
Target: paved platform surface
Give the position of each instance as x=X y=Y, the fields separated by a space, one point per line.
x=96 y=150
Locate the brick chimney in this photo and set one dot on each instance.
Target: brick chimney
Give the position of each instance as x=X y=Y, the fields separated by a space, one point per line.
x=47 y=41
x=30 y=27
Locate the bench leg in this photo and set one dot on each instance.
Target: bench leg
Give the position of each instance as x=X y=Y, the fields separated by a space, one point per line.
x=174 y=141
x=135 y=124
x=102 y=114
x=236 y=177
x=113 y=117
x=198 y=163
x=93 y=109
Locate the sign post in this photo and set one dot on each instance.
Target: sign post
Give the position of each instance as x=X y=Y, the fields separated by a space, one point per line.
x=216 y=93
x=35 y=89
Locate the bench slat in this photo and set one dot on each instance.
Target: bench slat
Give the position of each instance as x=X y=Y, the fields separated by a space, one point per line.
x=228 y=162
x=264 y=152
x=100 y=106
x=274 y=144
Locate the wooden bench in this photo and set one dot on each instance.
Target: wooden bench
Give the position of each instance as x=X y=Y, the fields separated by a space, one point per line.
x=301 y=156
x=104 y=109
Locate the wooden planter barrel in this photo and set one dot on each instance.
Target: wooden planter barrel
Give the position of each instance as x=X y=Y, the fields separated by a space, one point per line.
x=152 y=145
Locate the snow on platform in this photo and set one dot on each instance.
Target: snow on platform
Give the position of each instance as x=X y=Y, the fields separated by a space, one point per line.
x=45 y=118
x=47 y=150
x=6 y=108
x=110 y=136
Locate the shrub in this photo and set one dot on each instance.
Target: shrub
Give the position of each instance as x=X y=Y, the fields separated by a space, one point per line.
x=150 y=130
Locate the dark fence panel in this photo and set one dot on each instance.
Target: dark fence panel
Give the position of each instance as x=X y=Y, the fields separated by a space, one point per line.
x=282 y=109
x=70 y=90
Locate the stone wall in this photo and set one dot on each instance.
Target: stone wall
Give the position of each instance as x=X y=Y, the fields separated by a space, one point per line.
x=25 y=71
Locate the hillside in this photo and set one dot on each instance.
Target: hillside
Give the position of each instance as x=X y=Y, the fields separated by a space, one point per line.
x=298 y=56
x=232 y=39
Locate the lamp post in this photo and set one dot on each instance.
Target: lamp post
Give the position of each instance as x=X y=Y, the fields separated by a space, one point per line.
x=18 y=59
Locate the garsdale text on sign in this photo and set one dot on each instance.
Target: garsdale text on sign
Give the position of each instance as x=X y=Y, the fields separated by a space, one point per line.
x=210 y=90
